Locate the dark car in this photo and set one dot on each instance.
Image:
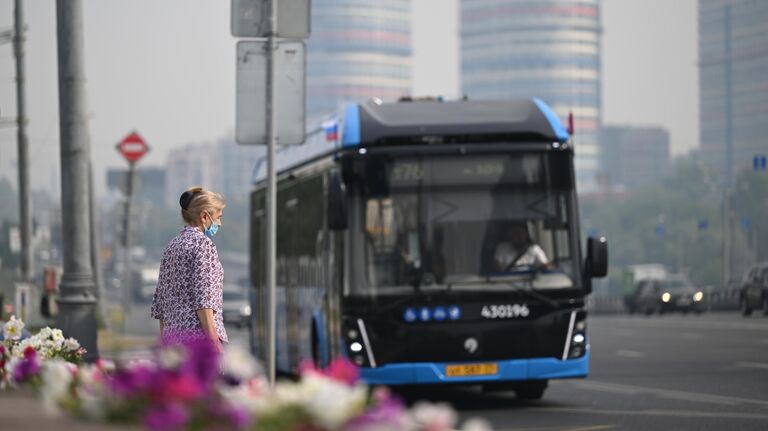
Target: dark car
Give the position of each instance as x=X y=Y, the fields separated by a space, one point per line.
x=667 y=295
x=753 y=294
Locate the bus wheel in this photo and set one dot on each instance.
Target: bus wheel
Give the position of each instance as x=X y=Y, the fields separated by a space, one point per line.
x=532 y=390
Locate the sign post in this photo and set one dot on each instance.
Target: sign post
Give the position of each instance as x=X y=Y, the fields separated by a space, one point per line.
x=133 y=148
x=267 y=19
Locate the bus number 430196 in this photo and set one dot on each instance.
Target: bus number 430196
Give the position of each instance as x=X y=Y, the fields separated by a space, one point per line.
x=504 y=311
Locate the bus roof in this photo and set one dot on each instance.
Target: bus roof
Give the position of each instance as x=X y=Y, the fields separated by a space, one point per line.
x=374 y=124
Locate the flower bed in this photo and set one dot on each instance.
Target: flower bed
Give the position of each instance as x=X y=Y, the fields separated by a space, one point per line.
x=191 y=387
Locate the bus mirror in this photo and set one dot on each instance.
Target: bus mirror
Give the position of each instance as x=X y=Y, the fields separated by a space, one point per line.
x=337 y=203
x=597 y=257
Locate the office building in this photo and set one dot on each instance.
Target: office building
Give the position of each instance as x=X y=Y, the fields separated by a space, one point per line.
x=733 y=83
x=357 y=50
x=546 y=48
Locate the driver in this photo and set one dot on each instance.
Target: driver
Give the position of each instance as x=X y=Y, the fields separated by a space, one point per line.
x=517 y=249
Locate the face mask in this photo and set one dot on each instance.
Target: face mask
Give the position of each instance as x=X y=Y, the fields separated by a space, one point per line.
x=211 y=231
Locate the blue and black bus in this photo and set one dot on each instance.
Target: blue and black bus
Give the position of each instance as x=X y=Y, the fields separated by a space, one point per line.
x=431 y=242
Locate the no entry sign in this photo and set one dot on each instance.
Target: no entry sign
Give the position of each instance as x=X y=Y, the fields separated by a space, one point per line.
x=132 y=147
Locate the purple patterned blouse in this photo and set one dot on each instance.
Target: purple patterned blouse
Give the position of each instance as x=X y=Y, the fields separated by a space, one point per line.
x=191 y=278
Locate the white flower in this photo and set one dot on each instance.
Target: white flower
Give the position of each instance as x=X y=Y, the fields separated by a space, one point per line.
x=12 y=329
x=57 y=335
x=71 y=344
x=45 y=333
x=171 y=357
x=332 y=402
x=10 y=366
x=57 y=376
x=433 y=416
x=239 y=364
x=477 y=424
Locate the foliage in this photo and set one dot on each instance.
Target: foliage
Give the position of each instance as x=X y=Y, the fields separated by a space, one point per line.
x=679 y=223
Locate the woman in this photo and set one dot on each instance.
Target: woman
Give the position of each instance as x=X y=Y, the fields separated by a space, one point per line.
x=188 y=298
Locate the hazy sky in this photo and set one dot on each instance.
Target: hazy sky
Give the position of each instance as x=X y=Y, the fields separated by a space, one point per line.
x=167 y=69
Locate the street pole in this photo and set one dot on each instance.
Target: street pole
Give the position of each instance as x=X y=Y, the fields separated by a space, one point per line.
x=271 y=111
x=25 y=199
x=77 y=302
x=727 y=224
x=126 y=284
x=95 y=238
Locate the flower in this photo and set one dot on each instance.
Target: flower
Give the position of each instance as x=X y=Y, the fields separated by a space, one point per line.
x=340 y=369
x=57 y=376
x=476 y=424
x=166 y=417
x=71 y=344
x=27 y=367
x=12 y=329
x=433 y=417
x=238 y=364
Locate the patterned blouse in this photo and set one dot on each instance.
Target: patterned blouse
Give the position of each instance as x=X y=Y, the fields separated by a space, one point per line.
x=191 y=278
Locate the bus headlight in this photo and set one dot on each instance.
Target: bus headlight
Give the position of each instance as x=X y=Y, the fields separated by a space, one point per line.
x=355 y=347
x=578 y=343
x=666 y=296
x=698 y=296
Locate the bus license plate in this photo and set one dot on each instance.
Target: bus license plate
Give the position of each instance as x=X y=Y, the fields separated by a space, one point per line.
x=471 y=370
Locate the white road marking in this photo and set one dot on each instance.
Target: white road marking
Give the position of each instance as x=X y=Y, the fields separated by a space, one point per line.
x=696 y=324
x=667 y=393
x=630 y=354
x=655 y=412
x=760 y=365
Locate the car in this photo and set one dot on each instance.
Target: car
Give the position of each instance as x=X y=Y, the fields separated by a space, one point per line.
x=753 y=294
x=236 y=310
x=667 y=295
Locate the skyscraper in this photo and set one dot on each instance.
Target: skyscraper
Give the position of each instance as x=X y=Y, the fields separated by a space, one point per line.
x=538 y=48
x=358 y=49
x=733 y=83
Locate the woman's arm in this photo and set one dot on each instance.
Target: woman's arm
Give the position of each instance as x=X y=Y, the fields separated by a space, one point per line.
x=205 y=315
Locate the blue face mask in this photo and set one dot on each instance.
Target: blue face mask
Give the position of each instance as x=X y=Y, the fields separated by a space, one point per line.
x=211 y=231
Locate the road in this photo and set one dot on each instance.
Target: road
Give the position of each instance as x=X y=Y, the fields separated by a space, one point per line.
x=707 y=372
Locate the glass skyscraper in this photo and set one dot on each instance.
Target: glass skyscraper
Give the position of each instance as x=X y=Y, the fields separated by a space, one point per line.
x=538 y=48
x=733 y=83
x=358 y=49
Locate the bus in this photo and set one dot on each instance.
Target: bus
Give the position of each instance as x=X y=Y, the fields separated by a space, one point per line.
x=391 y=222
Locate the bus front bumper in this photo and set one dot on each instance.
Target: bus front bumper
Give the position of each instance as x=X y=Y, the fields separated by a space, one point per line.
x=510 y=370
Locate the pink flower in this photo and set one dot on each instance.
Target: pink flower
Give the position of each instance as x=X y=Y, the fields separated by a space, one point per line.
x=166 y=417
x=340 y=369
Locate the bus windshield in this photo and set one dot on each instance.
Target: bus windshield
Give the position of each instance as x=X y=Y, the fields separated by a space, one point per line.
x=462 y=223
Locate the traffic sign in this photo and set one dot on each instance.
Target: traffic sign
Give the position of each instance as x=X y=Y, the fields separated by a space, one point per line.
x=251 y=93
x=250 y=18
x=133 y=147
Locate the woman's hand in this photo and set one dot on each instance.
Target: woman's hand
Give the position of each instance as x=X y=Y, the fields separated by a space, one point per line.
x=205 y=315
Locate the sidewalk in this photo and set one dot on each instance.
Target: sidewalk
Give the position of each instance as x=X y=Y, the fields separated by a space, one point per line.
x=21 y=410
x=119 y=347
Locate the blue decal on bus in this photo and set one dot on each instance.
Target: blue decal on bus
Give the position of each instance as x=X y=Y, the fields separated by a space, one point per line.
x=410 y=315
x=439 y=314
x=425 y=314
x=351 y=136
x=454 y=312
x=554 y=121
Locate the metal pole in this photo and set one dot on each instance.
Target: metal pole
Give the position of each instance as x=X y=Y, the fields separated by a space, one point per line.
x=98 y=278
x=271 y=192
x=126 y=284
x=728 y=150
x=25 y=199
x=77 y=302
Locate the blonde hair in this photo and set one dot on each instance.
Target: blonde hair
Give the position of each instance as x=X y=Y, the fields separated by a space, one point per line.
x=195 y=201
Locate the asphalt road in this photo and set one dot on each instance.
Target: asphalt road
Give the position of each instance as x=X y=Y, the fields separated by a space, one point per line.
x=707 y=372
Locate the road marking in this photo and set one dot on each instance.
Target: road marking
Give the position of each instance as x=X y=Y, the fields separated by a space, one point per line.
x=695 y=324
x=630 y=354
x=669 y=394
x=760 y=365
x=559 y=428
x=655 y=412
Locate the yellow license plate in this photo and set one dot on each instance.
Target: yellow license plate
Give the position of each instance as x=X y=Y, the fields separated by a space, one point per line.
x=471 y=370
